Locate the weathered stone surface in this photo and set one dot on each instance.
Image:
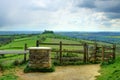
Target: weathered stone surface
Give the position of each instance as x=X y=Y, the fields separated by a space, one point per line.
x=39 y=57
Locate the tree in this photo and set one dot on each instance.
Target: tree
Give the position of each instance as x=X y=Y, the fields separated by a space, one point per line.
x=48 y=32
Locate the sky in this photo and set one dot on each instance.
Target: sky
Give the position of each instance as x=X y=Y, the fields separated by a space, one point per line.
x=60 y=15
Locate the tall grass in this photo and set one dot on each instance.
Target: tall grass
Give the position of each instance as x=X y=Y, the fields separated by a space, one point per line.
x=111 y=71
x=9 y=77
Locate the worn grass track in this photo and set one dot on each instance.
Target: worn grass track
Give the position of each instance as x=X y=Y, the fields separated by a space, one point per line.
x=79 y=72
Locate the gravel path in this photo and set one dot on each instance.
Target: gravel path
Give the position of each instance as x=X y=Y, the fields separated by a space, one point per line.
x=81 y=72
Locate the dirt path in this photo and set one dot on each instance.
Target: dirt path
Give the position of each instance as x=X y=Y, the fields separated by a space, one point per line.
x=82 y=72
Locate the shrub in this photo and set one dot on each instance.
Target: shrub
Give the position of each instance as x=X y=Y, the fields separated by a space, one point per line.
x=16 y=62
x=48 y=32
x=23 y=62
x=29 y=69
x=19 y=62
x=70 y=55
x=56 y=63
x=1 y=67
x=8 y=77
x=2 y=55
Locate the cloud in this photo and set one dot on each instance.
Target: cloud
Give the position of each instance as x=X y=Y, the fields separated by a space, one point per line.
x=11 y=12
x=101 y=5
x=113 y=15
x=17 y=12
x=65 y=15
x=109 y=7
x=113 y=6
x=86 y=3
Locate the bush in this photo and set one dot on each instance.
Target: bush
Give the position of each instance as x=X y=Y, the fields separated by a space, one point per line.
x=70 y=55
x=48 y=32
x=2 y=55
x=56 y=63
x=23 y=62
x=19 y=62
x=29 y=69
x=8 y=77
x=1 y=67
x=16 y=62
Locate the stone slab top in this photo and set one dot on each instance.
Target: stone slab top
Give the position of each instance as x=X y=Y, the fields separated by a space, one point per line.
x=39 y=48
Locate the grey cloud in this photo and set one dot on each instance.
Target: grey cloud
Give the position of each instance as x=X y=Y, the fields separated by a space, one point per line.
x=2 y=22
x=106 y=23
x=51 y=5
x=86 y=3
x=101 y=5
x=106 y=6
x=14 y=12
x=113 y=15
x=3 y=19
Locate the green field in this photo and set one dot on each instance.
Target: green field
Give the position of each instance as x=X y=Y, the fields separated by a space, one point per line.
x=113 y=36
x=111 y=71
x=7 y=62
x=19 y=43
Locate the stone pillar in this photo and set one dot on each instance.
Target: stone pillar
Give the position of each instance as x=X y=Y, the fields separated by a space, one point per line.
x=39 y=57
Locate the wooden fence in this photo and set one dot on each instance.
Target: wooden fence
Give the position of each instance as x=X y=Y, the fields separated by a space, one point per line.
x=105 y=53
x=25 y=51
x=101 y=50
x=108 y=52
x=71 y=51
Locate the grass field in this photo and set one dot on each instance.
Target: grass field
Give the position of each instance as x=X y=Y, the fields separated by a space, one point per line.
x=111 y=71
x=19 y=43
x=31 y=41
x=108 y=72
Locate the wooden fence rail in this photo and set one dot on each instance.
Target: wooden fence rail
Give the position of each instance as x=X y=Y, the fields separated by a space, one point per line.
x=71 y=51
x=104 y=53
x=25 y=51
x=60 y=44
x=108 y=52
x=85 y=50
x=61 y=49
x=13 y=51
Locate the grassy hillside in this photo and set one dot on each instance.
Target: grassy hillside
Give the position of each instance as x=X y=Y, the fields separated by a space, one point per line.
x=108 y=72
x=31 y=41
x=111 y=71
x=10 y=61
x=18 y=43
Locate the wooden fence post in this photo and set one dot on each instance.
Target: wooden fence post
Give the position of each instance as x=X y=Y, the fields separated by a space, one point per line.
x=25 y=48
x=95 y=52
x=60 y=52
x=103 y=51
x=87 y=53
x=37 y=43
x=114 y=49
x=84 y=53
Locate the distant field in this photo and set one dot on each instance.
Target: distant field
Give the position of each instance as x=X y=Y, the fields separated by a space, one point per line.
x=19 y=43
x=113 y=36
x=109 y=37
